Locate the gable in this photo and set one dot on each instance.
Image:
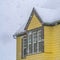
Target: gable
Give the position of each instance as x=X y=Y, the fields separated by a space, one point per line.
x=34 y=21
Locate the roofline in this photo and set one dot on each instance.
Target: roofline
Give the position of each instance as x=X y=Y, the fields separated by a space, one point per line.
x=52 y=24
x=45 y=24
x=20 y=34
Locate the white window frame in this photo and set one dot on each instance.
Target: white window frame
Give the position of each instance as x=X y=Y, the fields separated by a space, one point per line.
x=38 y=32
x=29 y=33
x=23 y=45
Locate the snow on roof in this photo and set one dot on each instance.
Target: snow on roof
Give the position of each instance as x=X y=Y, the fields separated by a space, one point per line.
x=47 y=16
x=21 y=29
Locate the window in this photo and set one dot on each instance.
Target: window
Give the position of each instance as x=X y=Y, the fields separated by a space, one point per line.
x=33 y=42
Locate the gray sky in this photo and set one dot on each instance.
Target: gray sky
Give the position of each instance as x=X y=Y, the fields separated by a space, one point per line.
x=14 y=13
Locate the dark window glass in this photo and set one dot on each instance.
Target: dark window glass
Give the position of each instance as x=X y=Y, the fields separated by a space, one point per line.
x=24 y=47
x=41 y=46
x=35 y=47
x=30 y=48
x=25 y=52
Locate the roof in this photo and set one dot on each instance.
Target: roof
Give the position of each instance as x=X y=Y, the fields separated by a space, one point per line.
x=23 y=28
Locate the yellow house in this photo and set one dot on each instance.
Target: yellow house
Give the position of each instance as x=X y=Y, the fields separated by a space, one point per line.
x=38 y=40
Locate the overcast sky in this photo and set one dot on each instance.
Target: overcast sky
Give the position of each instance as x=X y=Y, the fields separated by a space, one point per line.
x=14 y=13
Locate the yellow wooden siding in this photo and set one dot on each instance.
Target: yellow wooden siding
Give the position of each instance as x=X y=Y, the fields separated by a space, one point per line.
x=57 y=42
x=18 y=48
x=48 y=39
x=34 y=23
x=51 y=45
x=41 y=56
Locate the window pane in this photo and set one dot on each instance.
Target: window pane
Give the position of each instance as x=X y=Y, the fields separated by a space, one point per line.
x=30 y=48
x=41 y=46
x=35 y=47
x=25 y=52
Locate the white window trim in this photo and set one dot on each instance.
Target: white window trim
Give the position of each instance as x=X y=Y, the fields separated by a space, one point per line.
x=23 y=38
x=38 y=33
x=23 y=46
x=33 y=42
x=29 y=42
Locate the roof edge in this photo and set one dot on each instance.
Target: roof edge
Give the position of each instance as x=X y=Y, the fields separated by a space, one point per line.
x=45 y=24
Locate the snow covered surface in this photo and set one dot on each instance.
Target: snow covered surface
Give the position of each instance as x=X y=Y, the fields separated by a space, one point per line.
x=21 y=29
